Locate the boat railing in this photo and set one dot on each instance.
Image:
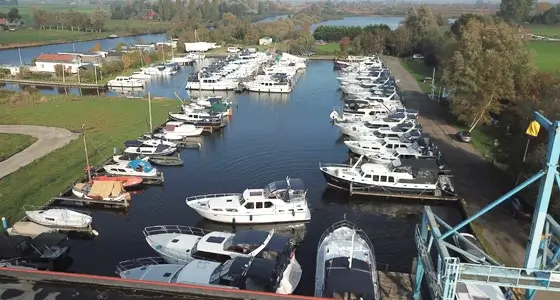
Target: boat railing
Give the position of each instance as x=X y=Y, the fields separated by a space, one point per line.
x=348 y=224
x=327 y=165
x=161 y=229
x=38 y=207
x=198 y=197
x=139 y=262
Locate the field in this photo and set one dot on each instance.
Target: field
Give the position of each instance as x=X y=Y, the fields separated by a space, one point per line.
x=546 y=55
x=109 y=122
x=33 y=37
x=544 y=30
x=13 y=143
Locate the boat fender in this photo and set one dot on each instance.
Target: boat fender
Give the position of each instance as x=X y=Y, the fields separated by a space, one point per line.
x=251 y=218
x=293 y=212
x=333 y=115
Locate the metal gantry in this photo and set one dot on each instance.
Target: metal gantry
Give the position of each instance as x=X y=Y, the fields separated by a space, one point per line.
x=541 y=270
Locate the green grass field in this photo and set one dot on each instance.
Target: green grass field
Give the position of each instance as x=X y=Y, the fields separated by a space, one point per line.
x=109 y=122
x=544 y=30
x=26 y=11
x=327 y=49
x=14 y=143
x=546 y=55
x=420 y=71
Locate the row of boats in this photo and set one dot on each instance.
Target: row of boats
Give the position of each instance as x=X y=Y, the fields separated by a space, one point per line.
x=395 y=155
x=264 y=72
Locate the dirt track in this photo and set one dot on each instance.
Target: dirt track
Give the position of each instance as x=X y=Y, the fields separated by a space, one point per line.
x=476 y=180
x=48 y=140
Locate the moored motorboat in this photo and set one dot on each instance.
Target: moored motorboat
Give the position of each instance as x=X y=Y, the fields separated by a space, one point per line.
x=179 y=128
x=101 y=190
x=245 y=273
x=346 y=265
x=279 y=201
x=59 y=218
x=161 y=150
x=140 y=168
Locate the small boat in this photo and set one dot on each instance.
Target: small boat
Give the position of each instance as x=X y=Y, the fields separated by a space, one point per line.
x=476 y=253
x=112 y=36
x=279 y=201
x=127 y=157
x=140 y=168
x=245 y=273
x=101 y=190
x=149 y=142
x=126 y=82
x=346 y=266
x=140 y=75
x=41 y=252
x=127 y=181
x=59 y=218
x=166 y=160
x=161 y=150
x=178 y=128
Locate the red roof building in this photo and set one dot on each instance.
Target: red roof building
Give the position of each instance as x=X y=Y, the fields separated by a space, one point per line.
x=46 y=57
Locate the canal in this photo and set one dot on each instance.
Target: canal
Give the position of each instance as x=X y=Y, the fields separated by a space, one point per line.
x=268 y=138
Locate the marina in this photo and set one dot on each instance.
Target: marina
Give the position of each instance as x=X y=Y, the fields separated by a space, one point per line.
x=261 y=137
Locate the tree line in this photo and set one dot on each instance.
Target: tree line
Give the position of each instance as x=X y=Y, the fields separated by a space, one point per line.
x=70 y=20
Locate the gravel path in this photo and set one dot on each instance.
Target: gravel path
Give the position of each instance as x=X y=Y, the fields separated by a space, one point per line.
x=48 y=140
x=476 y=180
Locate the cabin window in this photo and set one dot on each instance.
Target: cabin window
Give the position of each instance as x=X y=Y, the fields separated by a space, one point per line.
x=391 y=179
x=259 y=205
x=375 y=177
x=268 y=204
x=384 y=178
x=49 y=219
x=216 y=209
x=250 y=205
x=167 y=274
x=210 y=256
x=231 y=210
x=215 y=239
x=255 y=194
x=174 y=240
x=368 y=175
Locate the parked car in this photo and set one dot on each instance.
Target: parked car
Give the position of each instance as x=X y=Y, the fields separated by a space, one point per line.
x=418 y=56
x=464 y=136
x=233 y=49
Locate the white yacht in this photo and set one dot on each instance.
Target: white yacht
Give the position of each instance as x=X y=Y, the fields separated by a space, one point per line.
x=126 y=82
x=346 y=266
x=383 y=123
x=181 y=244
x=415 y=151
x=213 y=83
x=374 y=147
x=199 y=118
x=141 y=75
x=411 y=175
x=266 y=84
x=279 y=201
x=140 y=168
x=177 y=128
x=381 y=133
x=245 y=273
x=59 y=218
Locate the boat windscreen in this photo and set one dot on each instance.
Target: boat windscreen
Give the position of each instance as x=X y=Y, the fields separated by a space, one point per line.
x=340 y=279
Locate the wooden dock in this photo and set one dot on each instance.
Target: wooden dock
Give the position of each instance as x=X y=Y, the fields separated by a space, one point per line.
x=83 y=201
x=395 y=285
x=54 y=83
x=372 y=191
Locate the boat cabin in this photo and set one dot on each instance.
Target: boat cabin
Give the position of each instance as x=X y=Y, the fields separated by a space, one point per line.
x=348 y=281
x=248 y=273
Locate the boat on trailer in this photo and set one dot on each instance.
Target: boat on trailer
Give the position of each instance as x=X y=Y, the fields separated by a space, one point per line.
x=279 y=201
x=59 y=218
x=346 y=265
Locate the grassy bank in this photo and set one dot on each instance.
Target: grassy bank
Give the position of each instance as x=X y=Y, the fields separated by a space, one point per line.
x=546 y=55
x=109 y=122
x=14 y=143
x=544 y=30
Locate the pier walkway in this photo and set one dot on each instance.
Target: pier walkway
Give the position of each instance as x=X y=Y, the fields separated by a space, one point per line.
x=48 y=140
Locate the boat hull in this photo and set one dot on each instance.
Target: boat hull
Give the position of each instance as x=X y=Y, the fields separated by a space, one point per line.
x=127 y=181
x=294 y=216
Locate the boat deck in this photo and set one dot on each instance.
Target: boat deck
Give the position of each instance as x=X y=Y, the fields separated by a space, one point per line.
x=31 y=229
x=367 y=191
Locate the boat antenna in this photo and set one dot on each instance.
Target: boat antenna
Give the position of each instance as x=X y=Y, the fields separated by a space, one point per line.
x=85 y=148
x=344 y=216
x=288 y=182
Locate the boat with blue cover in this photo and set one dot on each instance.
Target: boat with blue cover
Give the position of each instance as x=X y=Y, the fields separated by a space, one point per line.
x=137 y=167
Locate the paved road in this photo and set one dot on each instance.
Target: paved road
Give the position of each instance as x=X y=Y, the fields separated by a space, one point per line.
x=48 y=140
x=475 y=179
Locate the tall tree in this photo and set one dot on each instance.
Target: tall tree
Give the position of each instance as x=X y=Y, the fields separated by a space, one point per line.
x=421 y=23
x=98 y=19
x=13 y=14
x=490 y=62
x=516 y=10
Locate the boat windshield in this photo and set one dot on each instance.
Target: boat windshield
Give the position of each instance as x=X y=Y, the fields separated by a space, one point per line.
x=378 y=134
x=221 y=272
x=242 y=201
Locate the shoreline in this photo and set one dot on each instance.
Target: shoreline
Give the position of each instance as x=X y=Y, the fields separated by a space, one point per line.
x=66 y=41
x=314 y=57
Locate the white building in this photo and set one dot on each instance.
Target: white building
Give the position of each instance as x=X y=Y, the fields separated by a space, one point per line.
x=199 y=47
x=265 y=41
x=47 y=63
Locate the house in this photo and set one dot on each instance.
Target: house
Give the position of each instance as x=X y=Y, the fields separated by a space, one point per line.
x=86 y=58
x=152 y=15
x=46 y=62
x=265 y=41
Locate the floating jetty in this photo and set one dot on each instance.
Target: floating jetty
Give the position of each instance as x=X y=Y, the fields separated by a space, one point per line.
x=374 y=191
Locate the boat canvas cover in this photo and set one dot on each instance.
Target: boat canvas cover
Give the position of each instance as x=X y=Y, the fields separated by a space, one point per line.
x=134 y=164
x=340 y=279
x=133 y=143
x=10 y=246
x=106 y=189
x=259 y=277
x=296 y=184
x=50 y=239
